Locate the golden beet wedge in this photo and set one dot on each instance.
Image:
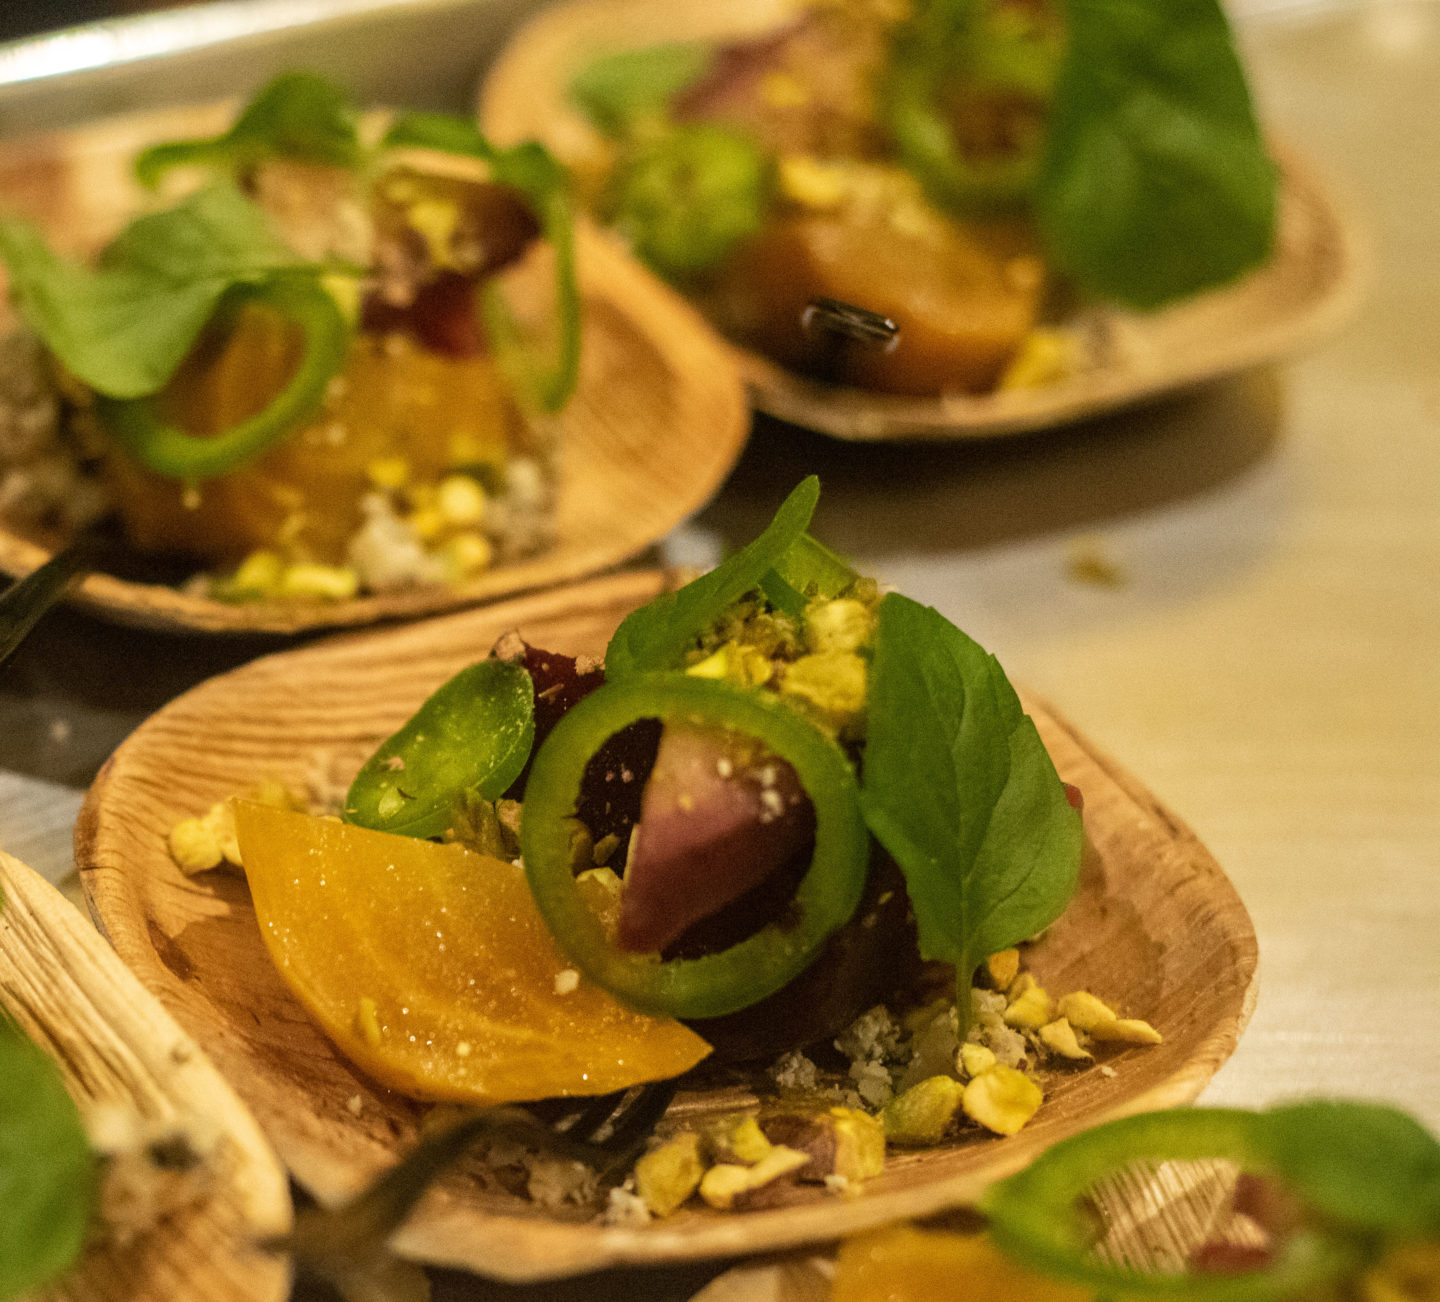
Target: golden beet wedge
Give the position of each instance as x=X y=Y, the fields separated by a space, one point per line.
x=430 y=968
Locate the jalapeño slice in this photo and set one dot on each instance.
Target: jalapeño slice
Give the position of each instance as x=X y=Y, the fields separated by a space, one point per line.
x=735 y=978
x=169 y=450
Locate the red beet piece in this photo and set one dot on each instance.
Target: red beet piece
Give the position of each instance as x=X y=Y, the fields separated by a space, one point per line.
x=611 y=788
x=719 y=815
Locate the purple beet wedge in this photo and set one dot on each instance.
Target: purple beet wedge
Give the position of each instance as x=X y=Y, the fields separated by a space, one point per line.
x=718 y=816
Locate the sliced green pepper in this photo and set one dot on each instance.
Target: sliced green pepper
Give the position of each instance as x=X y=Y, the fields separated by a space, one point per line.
x=168 y=450
x=531 y=169
x=742 y=975
x=990 y=47
x=473 y=735
x=1036 y=1217
x=687 y=196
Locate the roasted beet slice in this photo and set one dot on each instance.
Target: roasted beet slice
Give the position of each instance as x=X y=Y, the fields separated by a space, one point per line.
x=719 y=815
x=615 y=777
x=865 y=962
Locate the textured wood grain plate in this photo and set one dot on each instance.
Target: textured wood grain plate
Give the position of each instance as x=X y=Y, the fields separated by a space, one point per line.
x=1151 y=1219
x=116 y=1045
x=657 y=422
x=1156 y=928
x=1312 y=282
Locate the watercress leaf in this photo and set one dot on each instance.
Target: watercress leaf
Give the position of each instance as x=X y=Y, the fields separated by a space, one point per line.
x=1362 y=1164
x=615 y=90
x=298 y=115
x=656 y=635
x=48 y=1174
x=1154 y=182
x=124 y=327
x=959 y=789
x=472 y=736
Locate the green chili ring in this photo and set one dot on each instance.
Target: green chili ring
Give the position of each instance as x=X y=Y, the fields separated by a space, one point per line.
x=714 y=984
x=927 y=147
x=1033 y=1215
x=170 y=451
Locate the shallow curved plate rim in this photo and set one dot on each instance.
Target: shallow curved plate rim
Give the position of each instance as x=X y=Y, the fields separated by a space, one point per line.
x=115 y=1045
x=1312 y=284
x=209 y=743
x=655 y=476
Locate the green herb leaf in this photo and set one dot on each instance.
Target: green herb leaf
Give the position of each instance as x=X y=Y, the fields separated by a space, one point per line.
x=1154 y=182
x=473 y=735
x=441 y=131
x=656 y=635
x=125 y=327
x=48 y=1175
x=686 y=197
x=1361 y=1164
x=169 y=450
x=616 y=90
x=959 y=788
x=299 y=115
x=809 y=569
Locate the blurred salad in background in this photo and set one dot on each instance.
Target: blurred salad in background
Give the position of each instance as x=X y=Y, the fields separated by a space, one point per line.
x=969 y=169
x=301 y=370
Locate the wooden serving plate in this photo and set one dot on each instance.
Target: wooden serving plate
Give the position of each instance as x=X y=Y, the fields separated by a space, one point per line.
x=1312 y=283
x=656 y=424
x=115 y=1045
x=1156 y=928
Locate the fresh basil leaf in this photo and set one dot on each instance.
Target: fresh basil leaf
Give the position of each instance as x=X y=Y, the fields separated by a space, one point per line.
x=473 y=735
x=656 y=635
x=48 y=1174
x=809 y=569
x=616 y=90
x=298 y=115
x=124 y=327
x=958 y=787
x=1154 y=182
x=1362 y=1164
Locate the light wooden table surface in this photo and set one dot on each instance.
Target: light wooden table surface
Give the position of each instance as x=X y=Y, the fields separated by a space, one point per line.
x=1269 y=662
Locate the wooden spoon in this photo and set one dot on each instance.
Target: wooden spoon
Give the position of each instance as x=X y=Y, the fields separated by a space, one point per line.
x=116 y=1045
x=1313 y=281
x=657 y=422
x=1156 y=928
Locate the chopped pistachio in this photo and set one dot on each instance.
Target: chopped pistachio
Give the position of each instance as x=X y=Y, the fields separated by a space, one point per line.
x=729 y=1185
x=195 y=846
x=842 y=625
x=976 y=1059
x=922 y=1114
x=326 y=582
x=667 y=1176
x=1059 y=1036
x=1003 y=968
x=832 y=684
x=1031 y=1010
x=1002 y=1099
x=839 y=1141
x=1128 y=1030
x=461 y=501
x=1084 y=1011
x=738 y=1139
